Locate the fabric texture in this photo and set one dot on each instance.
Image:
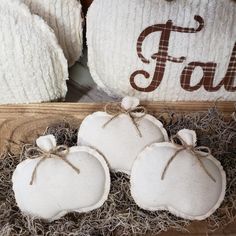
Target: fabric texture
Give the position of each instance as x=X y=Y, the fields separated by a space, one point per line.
x=181 y=50
x=65 y=17
x=187 y=190
x=57 y=188
x=119 y=141
x=32 y=65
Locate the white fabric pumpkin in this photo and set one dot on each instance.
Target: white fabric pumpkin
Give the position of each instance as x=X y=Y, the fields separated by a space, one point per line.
x=57 y=188
x=66 y=19
x=187 y=190
x=119 y=141
x=132 y=52
x=32 y=65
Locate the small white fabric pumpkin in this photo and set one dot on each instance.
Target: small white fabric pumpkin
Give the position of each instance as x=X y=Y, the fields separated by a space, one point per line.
x=57 y=188
x=65 y=17
x=120 y=140
x=32 y=65
x=189 y=189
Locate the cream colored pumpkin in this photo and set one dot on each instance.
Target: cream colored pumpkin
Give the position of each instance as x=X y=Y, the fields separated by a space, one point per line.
x=186 y=190
x=57 y=188
x=65 y=17
x=32 y=65
x=119 y=142
x=177 y=50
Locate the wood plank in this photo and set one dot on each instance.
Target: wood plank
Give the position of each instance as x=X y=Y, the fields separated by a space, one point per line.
x=74 y=108
x=24 y=123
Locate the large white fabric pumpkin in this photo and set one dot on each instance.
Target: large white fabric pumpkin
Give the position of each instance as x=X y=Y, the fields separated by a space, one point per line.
x=66 y=19
x=164 y=50
x=32 y=65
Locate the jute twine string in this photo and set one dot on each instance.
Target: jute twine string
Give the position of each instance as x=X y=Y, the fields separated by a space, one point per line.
x=194 y=150
x=60 y=152
x=135 y=114
x=234 y=113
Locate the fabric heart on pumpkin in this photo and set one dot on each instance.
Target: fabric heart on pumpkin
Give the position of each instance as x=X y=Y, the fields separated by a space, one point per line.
x=182 y=179
x=60 y=180
x=121 y=132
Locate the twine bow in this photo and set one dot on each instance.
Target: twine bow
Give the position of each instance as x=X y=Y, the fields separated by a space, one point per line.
x=134 y=114
x=194 y=150
x=57 y=152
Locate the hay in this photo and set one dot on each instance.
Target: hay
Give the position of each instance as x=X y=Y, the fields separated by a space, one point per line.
x=120 y=214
